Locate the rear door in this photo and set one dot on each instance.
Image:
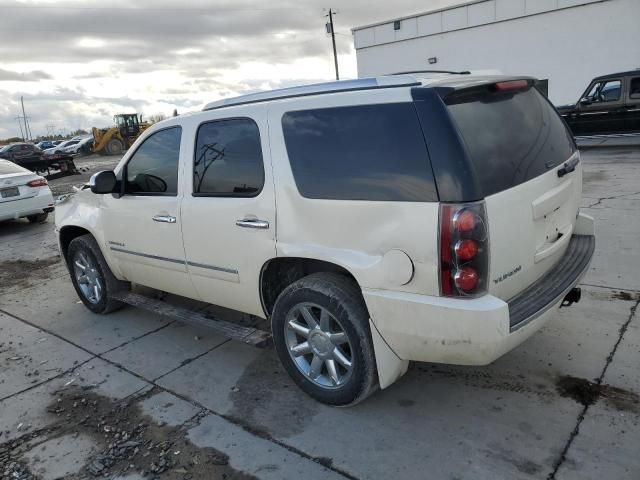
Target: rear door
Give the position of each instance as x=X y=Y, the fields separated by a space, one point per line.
x=632 y=120
x=517 y=142
x=228 y=211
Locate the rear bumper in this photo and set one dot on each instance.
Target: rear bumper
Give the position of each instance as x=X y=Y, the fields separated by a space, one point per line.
x=475 y=331
x=43 y=202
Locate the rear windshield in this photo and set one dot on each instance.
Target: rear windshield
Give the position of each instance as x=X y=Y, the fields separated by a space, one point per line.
x=7 y=168
x=511 y=137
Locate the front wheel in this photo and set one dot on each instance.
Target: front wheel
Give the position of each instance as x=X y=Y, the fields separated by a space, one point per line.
x=91 y=276
x=321 y=332
x=114 y=147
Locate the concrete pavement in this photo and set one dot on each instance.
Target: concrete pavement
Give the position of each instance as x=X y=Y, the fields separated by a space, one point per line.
x=539 y=412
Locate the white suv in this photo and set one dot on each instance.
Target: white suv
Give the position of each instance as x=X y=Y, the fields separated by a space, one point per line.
x=374 y=222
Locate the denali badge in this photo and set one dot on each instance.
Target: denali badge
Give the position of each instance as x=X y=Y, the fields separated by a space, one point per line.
x=504 y=276
x=116 y=243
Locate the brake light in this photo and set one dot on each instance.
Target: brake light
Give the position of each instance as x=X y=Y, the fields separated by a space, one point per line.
x=466 y=279
x=38 y=182
x=464 y=250
x=512 y=85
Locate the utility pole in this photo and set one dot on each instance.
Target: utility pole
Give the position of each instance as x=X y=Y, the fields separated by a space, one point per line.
x=24 y=117
x=331 y=30
x=20 y=125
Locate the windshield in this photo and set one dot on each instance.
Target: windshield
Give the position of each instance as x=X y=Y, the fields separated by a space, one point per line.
x=5 y=148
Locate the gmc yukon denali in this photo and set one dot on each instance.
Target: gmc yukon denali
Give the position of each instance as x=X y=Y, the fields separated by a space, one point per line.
x=373 y=222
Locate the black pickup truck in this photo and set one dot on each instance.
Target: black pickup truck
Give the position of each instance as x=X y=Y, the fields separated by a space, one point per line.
x=609 y=106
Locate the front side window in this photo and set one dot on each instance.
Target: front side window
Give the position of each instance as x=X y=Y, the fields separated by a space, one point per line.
x=367 y=152
x=228 y=159
x=606 y=91
x=153 y=168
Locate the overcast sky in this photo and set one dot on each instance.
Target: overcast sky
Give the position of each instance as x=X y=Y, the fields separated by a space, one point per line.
x=78 y=62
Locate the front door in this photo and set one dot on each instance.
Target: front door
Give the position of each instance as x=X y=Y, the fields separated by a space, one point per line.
x=228 y=219
x=601 y=110
x=142 y=227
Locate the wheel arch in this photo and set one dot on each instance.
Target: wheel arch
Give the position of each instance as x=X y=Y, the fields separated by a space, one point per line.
x=67 y=234
x=280 y=272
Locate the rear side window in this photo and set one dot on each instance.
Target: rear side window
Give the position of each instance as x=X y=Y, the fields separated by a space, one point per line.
x=153 y=168
x=634 y=88
x=228 y=159
x=510 y=137
x=368 y=152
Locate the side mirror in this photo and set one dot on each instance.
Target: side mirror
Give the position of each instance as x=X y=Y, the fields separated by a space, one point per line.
x=585 y=101
x=103 y=182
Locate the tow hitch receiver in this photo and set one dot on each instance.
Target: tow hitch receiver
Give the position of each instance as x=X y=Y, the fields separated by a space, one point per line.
x=572 y=297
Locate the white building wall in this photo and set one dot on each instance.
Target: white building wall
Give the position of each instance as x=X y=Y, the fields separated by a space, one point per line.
x=569 y=43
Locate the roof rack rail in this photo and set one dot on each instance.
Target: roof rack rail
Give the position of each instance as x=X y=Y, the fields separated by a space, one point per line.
x=315 y=89
x=411 y=72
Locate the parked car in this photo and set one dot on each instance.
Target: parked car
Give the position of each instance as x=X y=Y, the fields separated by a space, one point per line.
x=60 y=148
x=373 y=222
x=82 y=146
x=24 y=154
x=609 y=105
x=45 y=144
x=23 y=194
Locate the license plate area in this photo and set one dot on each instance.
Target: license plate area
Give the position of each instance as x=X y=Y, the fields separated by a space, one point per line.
x=9 y=192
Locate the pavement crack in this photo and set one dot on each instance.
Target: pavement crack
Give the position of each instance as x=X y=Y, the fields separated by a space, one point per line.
x=576 y=430
x=612 y=197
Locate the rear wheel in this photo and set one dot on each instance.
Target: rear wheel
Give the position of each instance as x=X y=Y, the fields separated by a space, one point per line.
x=38 y=217
x=321 y=332
x=91 y=276
x=114 y=147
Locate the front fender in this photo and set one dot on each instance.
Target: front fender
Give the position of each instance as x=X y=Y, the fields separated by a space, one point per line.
x=83 y=210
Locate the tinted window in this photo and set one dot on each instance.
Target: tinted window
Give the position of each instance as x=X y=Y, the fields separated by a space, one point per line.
x=634 y=89
x=228 y=159
x=369 y=152
x=153 y=168
x=510 y=137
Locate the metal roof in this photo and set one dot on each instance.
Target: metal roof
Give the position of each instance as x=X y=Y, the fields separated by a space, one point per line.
x=628 y=73
x=318 y=88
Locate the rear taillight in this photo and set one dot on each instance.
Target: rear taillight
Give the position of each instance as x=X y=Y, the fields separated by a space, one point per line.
x=38 y=182
x=464 y=250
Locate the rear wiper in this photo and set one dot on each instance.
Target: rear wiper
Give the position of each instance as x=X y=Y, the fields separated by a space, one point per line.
x=568 y=167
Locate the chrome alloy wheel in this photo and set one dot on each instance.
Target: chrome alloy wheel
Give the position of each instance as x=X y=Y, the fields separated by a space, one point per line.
x=88 y=277
x=318 y=345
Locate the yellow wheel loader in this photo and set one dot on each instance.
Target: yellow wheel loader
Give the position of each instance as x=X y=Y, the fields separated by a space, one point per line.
x=116 y=140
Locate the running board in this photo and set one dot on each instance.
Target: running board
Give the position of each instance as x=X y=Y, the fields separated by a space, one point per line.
x=249 y=335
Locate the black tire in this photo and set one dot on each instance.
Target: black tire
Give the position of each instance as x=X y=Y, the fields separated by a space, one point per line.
x=38 y=217
x=114 y=147
x=87 y=245
x=342 y=298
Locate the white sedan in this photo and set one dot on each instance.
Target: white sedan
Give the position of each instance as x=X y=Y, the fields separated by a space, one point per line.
x=23 y=194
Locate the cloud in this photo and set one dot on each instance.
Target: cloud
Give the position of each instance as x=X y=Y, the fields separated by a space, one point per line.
x=83 y=58
x=33 y=76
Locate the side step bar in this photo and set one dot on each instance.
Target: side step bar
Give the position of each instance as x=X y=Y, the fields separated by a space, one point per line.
x=249 y=335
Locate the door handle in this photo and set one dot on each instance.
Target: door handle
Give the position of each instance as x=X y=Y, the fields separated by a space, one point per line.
x=253 y=223
x=164 y=219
